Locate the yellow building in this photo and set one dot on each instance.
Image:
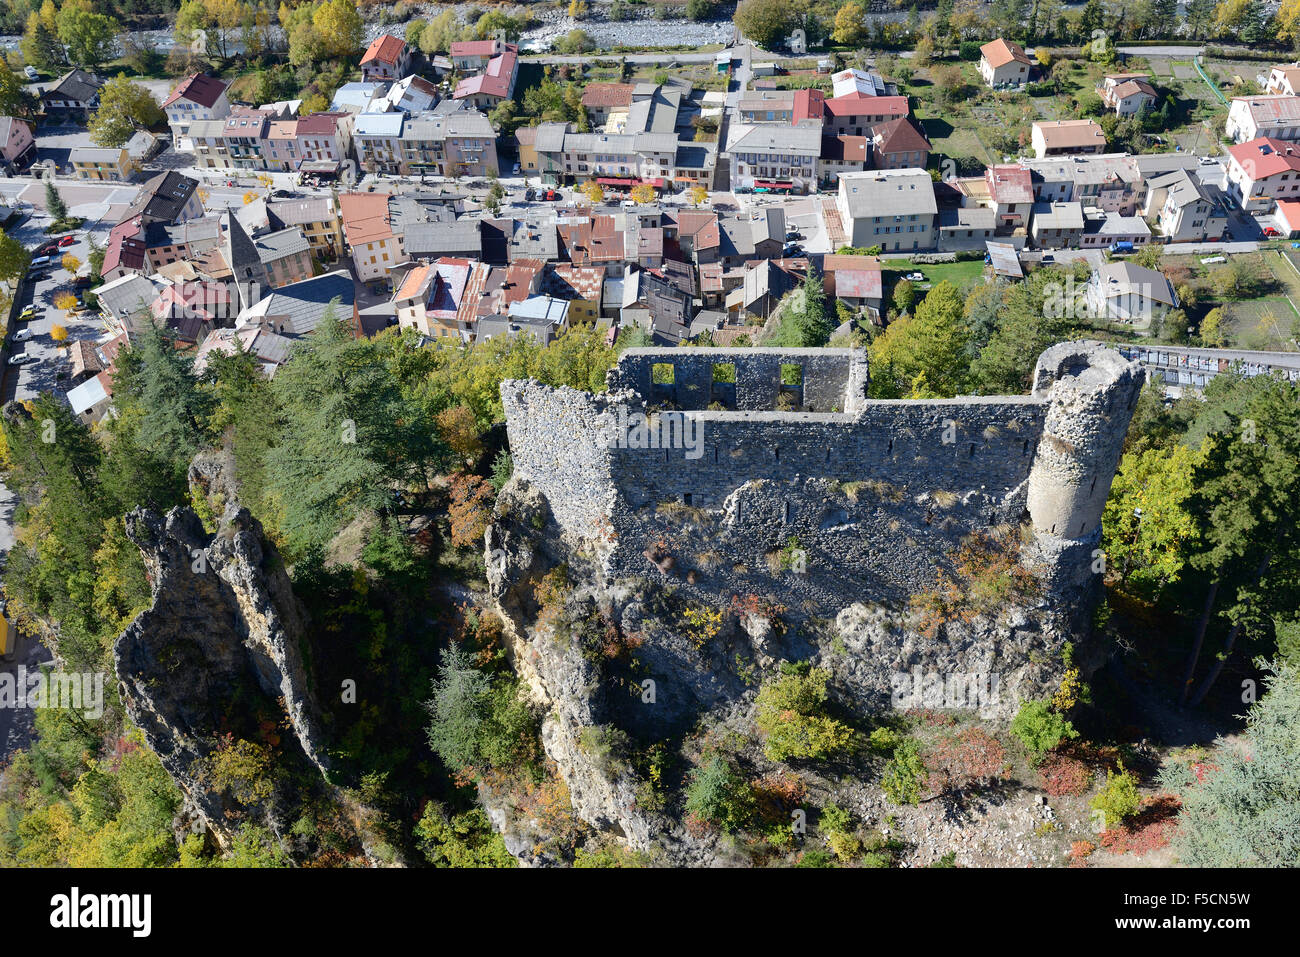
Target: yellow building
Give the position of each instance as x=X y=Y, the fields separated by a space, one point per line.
x=100 y=164
x=317 y=218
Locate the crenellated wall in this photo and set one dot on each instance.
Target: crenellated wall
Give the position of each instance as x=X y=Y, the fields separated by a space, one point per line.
x=871 y=496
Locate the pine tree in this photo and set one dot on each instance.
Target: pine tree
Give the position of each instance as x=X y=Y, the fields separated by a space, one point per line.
x=159 y=380
x=54 y=204
x=349 y=439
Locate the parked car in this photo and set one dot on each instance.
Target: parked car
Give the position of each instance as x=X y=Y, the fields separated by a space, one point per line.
x=82 y=282
x=28 y=312
x=1271 y=231
x=282 y=194
x=550 y=196
x=628 y=204
x=1123 y=246
x=915 y=277
x=20 y=359
x=29 y=71
x=792 y=249
x=792 y=234
x=22 y=335
x=40 y=261
x=515 y=170
x=65 y=241
x=743 y=189
x=529 y=195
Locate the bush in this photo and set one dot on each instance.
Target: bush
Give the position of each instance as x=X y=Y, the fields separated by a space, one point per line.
x=969 y=50
x=717 y=795
x=1063 y=775
x=477 y=725
x=792 y=718
x=1119 y=799
x=1040 y=729
x=905 y=775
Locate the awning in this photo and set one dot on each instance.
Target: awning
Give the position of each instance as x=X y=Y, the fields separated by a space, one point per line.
x=318 y=166
x=656 y=183
x=763 y=185
x=611 y=181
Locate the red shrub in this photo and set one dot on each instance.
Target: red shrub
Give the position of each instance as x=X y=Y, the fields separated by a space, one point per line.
x=1152 y=828
x=1064 y=775
x=972 y=756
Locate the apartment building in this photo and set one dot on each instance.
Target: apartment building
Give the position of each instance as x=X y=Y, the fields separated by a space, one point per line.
x=893 y=209
x=1263 y=117
x=1262 y=172
x=367 y=227
x=100 y=164
x=197 y=97
x=462 y=143
x=775 y=157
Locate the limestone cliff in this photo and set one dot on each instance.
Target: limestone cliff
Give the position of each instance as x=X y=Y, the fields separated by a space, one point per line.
x=217 y=658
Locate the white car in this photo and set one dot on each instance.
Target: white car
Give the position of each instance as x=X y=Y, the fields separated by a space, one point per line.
x=22 y=335
x=30 y=72
x=20 y=359
x=916 y=277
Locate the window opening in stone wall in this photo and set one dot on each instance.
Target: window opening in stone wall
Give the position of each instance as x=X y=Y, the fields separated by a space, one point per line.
x=661 y=373
x=785 y=512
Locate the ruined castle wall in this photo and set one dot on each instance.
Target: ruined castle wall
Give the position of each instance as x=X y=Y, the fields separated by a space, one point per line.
x=560 y=440
x=953 y=445
x=877 y=499
x=828 y=376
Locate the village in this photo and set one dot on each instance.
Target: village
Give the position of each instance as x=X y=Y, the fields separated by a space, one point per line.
x=681 y=208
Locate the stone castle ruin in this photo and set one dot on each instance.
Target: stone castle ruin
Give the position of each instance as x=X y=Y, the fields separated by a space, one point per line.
x=760 y=489
x=769 y=471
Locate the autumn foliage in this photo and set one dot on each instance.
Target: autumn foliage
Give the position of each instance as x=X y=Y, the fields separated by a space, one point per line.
x=469 y=513
x=458 y=429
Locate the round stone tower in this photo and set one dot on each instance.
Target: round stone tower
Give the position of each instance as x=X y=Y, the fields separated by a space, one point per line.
x=1091 y=391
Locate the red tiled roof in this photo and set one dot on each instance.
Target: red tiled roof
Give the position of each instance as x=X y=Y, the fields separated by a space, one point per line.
x=1010 y=184
x=900 y=136
x=126 y=246
x=845 y=149
x=494 y=80
x=1001 y=52
x=1264 y=156
x=365 y=217
x=319 y=124
x=474 y=48
x=859 y=104
x=809 y=105
x=607 y=94
x=198 y=88
x=384 y=49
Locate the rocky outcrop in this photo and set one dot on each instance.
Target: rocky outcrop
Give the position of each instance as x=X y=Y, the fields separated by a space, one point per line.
x=217 y=658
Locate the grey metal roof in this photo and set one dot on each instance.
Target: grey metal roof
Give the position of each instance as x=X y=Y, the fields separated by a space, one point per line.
x=125 y=296
x=459 y=237
x=550 y=137
x=774 y=138
x=297 y=309
x=278 y=245
x=888 y=192
x=1058 y=216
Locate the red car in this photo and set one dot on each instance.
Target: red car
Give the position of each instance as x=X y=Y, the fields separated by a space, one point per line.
x=67 y=241
x=1270 y=231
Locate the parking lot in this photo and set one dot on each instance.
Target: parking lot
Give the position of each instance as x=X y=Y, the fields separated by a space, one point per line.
x=48 y=369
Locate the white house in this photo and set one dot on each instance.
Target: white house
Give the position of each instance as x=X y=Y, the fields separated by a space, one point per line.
x=199 y=97
x=1004 y=64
